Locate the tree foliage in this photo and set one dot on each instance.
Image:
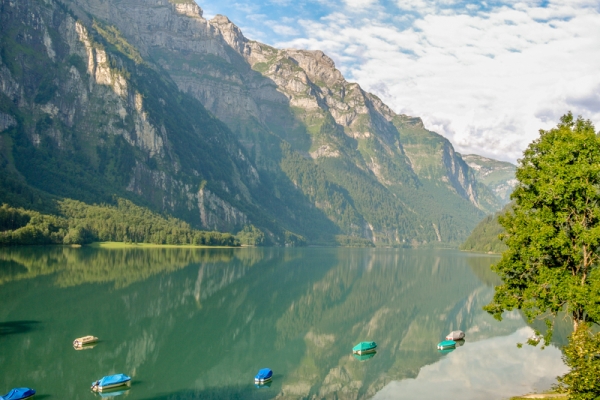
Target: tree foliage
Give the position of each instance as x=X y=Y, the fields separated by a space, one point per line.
x=582 y=355
x=80 y=223
x=553 y=237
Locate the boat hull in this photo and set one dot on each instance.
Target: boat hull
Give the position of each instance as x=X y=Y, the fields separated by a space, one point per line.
x=367 y=351
x=114 y=386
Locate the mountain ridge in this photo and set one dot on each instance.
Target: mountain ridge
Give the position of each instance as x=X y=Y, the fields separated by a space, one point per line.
x=136 y=100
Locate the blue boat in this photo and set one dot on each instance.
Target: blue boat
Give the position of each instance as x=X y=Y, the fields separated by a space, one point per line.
x=263 y=376
x=446 y=344
x=111 y=382
x=18 y=394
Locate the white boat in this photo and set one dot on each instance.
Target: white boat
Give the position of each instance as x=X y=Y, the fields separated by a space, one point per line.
x=455 y=335
x=84 y=340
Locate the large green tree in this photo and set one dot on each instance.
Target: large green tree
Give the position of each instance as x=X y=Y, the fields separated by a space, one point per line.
x=553 y=232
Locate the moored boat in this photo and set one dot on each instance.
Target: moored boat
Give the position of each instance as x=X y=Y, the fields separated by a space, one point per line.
x=18 y=394
x=455 y=335
x=446 y=344
x=111 y=382
x=264 y=375
x=84 y=341
x=364 y=348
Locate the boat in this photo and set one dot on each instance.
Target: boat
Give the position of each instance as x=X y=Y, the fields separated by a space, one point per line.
x=446 y=344
x=111 y=382
x=364 y=357
x=455 y=335
x=84 y=340
x=18 y=394
x=264 y=375
x=364 y=348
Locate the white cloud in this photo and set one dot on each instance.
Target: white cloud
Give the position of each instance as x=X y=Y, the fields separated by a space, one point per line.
x=490 y=369
x=488 y=80
x=360 y=3
x=284 y=30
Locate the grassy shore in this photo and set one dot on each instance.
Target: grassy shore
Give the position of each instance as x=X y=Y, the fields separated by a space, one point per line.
x=541 y=396
x=123 y=245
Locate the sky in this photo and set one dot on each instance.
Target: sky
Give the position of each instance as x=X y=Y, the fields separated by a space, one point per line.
x=487 y=75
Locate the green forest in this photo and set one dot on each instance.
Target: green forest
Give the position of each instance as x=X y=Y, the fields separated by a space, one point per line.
x=80 y=223
x=485 y=238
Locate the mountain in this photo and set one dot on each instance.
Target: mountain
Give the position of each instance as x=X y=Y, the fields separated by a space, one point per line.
x=485 y=238
x=186 y=116
x=496 y=175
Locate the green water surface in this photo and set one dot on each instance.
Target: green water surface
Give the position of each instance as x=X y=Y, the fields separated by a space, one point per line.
x=199 y=323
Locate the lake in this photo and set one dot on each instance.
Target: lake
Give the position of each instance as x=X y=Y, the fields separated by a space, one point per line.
x=200 y=323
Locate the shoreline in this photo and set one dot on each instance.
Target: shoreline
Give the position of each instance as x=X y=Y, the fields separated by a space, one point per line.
x=123 y=245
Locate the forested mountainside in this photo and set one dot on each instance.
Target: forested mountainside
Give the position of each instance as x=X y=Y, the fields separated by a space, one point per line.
x=155 y=104
x=485 y=238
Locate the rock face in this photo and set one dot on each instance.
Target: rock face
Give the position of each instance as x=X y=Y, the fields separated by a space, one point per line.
x=499 y=176
x=301 y=151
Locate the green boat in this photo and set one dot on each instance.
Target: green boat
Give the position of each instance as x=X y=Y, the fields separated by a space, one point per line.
x=446 y=344
x=364 y=348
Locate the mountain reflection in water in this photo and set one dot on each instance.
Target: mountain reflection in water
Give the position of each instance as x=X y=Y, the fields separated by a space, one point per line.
x=192 y=324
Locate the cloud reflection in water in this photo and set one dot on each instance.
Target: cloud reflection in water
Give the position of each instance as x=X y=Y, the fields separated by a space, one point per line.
x=489 y=369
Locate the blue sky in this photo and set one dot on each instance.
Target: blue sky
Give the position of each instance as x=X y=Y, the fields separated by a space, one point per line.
x=487 y=75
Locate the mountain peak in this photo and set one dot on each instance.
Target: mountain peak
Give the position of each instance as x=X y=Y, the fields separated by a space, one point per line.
x=188 y=8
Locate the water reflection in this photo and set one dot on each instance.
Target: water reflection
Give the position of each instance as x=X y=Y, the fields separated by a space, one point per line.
x=489 y=369
x=191 y=324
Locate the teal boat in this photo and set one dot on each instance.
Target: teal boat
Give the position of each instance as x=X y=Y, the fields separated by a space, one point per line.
x=446 y=344
x=364 y=348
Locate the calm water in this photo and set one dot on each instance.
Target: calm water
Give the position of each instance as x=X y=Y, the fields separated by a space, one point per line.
x=198 y=324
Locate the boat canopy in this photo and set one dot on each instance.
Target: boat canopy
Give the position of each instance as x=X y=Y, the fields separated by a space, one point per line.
x=362 y=346
x=113 y=380
x=455 y=335
x=264 y=374
x=18 y=393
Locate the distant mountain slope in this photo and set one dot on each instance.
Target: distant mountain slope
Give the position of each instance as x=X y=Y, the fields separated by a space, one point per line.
x=485 y=237
x=100 y=98
x=497 y=175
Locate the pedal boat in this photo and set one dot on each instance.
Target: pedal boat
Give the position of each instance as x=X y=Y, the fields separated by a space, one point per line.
x=446 y=344
x=264 y=376
x=364 y=348
x=18 y=394
x=110 y=382
x=84 y=341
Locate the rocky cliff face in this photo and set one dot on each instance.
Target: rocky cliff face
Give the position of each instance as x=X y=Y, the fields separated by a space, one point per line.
x=497 y=175
x=303 y=151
